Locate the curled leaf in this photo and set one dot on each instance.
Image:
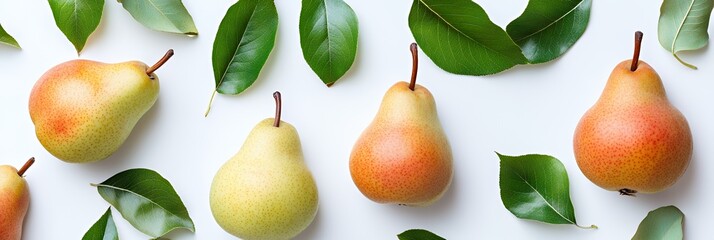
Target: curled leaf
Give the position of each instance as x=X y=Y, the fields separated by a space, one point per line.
x=162 y=15
x=683 y=26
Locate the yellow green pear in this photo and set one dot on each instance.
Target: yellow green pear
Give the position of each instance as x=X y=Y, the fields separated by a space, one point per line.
x=14 y=200
x=84 y=110
x=265 y=191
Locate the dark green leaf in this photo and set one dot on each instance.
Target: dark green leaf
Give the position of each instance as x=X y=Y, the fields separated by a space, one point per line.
x=7 y=39
x=328 y=36
x=460 y=38
x=162 y=15
x=419 y=234
x=147 y=201
x=664 y=223
x=683 y=25
x=548 y=28
x=536 y=187
x=103 y=229
x=77 y=19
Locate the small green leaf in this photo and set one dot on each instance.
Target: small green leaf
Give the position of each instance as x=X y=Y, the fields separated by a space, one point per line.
x=664 y=223
x=245 y=38
x=7 y=39
x=103 y=229
x=536 y=187
x=683 y=25
x=162 y=15
x=328 y=36
x=460 y=38
x=419 y=234
x=548 y=28
x=147 y=201
x=77 y=19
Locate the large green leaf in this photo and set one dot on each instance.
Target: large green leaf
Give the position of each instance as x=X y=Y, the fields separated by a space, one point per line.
x=103 y=229
x=460 y=38
x=664 y=223
x=328 y=36
x=77 y=19
x=419 y=234
x=147 y=201
x=162 y=15
x=7 y=39
x=683 y=25
x=536 y=187
x=548 y=28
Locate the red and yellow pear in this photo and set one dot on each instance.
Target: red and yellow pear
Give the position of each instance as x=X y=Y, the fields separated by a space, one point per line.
x=84 y=110
x=14 y=200
x=403 y=156
x=633 y=140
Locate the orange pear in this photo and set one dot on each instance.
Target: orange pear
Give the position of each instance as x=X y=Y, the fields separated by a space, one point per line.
x=14 y=200
x=633 y=140
x=403 y=156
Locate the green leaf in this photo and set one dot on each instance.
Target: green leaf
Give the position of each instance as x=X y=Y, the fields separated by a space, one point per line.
x=460 y=38
x=328 y=36
x=683 y=25
x=664 y=223
x=7 y=39
x=418 y=234
x=162 y=15
x=548 y=28
x=147 y=201
x=536 y=187
x=77 y=19
x=103 y=229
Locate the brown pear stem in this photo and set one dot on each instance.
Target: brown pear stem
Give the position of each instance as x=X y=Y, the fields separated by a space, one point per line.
x=415 y=65
x=638 y=45
x=157 y=65
x=27 y=165
x=278 y=108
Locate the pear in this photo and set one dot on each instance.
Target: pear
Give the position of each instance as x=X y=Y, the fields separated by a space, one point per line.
x=403 y=156
x=265 y=191
x=633 y=140
x=14 y=200
x=84 y=110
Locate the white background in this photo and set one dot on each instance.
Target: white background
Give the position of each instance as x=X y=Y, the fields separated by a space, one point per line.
x=528 y=109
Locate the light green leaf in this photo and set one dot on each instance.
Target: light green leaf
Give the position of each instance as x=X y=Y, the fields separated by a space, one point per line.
x=162 y=15
x=536 y=187
x=419 y=234
x=147 y=201
x=460 y=38
x=103 y=229
x=245 y=38
x=683 y=25
x=664 y=223
x=77 y=19
x=7 y=39
x=548 y=28
x=328 y=36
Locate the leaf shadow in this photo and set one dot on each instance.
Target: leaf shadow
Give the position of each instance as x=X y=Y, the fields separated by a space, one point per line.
x=684 y=188
x=98 y=33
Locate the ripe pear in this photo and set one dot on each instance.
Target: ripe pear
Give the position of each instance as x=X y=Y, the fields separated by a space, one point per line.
x=14 y=200
x=633 y=140
x=84 y=110
x=265 y=191
x=403 y=156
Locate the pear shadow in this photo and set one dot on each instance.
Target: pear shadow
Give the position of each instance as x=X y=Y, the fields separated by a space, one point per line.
x=127 y=152
x=438 y=211
x=311 y=232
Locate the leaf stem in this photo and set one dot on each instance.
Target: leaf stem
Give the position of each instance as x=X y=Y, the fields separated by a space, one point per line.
x=278 y=108
x=210 y=102
x=415 y=65
x=27 y=165
x=683 y=62
x=157 y=65
x=636 y=56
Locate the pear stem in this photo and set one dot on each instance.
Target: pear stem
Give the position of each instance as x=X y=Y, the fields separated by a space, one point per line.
x=26 y=166
x=636 y=56
x=157 y=65
x=415 y=65
x=278 y=108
